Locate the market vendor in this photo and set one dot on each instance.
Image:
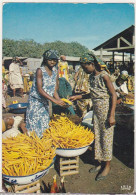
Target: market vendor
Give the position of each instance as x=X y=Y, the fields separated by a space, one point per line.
x=120 y=86
x=44 y=88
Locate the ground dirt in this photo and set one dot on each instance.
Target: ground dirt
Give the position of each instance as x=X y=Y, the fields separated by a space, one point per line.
x=121 y=177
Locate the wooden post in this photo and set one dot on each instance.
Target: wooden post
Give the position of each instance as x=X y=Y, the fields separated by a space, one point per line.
x=130 y=57
x=113 y=58
x=101 y=53
x=123 y=57
x=118 y=43
x=133 y=40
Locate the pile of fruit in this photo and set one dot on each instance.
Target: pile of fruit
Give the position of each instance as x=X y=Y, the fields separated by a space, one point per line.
x=66 y=134
x=25 y=155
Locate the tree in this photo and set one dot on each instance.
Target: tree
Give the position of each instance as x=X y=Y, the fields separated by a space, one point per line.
x=29 y=48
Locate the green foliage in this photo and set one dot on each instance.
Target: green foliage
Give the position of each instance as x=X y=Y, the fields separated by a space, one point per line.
x=29 y=48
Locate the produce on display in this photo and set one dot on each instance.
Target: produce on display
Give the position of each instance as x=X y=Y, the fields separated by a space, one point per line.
x=66 y=134
x=25 y=155
x=66 y=101
x=74 y=118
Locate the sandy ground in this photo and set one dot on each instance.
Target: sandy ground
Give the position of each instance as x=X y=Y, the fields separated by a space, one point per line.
x=121 y=177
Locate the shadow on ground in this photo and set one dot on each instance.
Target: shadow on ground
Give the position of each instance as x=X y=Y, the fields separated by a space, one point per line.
x=123 y=148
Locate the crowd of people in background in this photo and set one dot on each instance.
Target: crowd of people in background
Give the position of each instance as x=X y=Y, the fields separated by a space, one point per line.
x=74 y=77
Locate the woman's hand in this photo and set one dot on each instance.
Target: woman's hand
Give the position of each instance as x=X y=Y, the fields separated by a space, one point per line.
x=112 y=120
x=60 y=102
x=75 y=97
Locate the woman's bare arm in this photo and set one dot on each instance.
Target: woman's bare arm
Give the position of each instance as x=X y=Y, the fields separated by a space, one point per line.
x=114 y=99
x=42 y=92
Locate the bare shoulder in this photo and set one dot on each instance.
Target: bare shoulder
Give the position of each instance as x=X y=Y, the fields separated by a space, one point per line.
x=39 y=72
x=105 y=76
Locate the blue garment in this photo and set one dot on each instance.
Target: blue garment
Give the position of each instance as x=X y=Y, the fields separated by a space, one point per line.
x=37 y=113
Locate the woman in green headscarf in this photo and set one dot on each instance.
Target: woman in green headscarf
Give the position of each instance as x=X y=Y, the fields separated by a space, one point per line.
x=104 y=99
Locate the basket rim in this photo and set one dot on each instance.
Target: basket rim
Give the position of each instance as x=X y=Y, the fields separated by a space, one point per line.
x=74 y=148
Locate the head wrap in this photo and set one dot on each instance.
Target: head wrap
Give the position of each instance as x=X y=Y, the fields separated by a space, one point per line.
x=100 y=62
x=87 y=57
x=51 y=54
x=124 y=74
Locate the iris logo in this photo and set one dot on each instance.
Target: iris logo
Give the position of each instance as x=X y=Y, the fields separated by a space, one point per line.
x=125 y=187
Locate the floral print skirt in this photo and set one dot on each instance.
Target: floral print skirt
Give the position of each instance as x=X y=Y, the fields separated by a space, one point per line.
x=103 y=131
x=37 y=116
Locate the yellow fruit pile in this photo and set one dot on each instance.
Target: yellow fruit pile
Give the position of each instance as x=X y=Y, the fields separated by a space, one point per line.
x=66 y=134
x=25 y=155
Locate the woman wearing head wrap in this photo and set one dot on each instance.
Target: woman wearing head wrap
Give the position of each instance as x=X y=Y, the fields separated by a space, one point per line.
x=82 y=87
x=63 y=67
x=44 y=88
x=104 y=99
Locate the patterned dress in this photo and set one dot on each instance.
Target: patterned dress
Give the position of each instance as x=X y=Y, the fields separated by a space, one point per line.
x=101 y=107
x=82 y=87
x=37 y=114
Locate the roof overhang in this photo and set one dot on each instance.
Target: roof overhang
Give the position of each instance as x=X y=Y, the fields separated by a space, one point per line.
x=122 y=42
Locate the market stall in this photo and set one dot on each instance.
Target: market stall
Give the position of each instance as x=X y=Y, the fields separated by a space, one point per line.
x=28 y=158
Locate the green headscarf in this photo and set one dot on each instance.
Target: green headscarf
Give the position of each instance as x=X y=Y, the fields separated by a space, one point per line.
x=87 y=58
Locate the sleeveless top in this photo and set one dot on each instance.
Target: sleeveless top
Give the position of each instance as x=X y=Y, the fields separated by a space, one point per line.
x=98 y=89
x=48 y=84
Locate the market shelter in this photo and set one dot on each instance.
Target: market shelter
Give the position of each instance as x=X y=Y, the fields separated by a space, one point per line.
x=123 y=42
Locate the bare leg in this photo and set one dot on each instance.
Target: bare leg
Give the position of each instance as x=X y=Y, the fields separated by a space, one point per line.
x=104 y=173
x=21 y=91
x=14 y=91
x=106 y=168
